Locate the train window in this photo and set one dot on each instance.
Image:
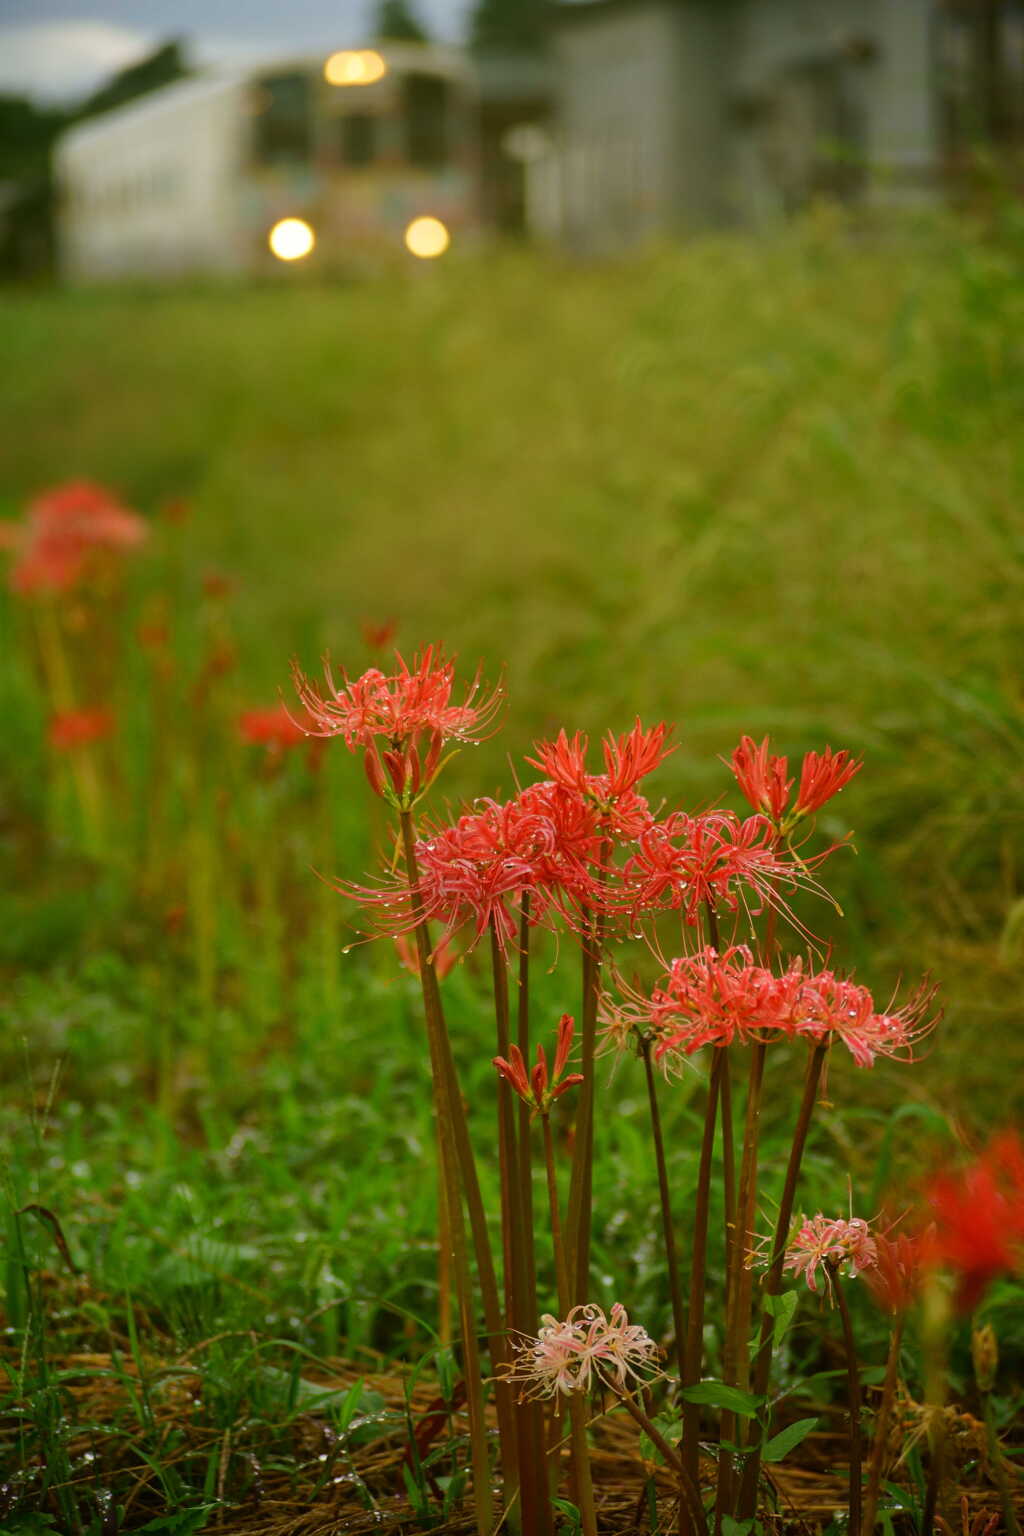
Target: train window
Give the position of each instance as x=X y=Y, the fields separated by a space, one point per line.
x=425 y=110
x=358 y=138
x=283 y=126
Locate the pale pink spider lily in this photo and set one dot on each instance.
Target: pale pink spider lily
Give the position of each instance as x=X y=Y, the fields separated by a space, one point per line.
x=584 y=1351
x=820 y=1242
x=535 y=1088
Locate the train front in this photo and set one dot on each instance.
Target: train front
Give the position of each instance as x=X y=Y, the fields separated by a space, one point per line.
x=366 y=155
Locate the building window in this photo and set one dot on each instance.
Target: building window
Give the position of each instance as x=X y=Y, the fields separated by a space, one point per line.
x=425 y=109
x=284 y=118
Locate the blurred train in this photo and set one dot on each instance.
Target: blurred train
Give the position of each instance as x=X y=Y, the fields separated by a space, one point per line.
x=331 y=163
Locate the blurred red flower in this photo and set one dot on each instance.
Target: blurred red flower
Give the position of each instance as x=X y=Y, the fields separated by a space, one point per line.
x=273 y=728
x=979 y=1218
x=66 y=530
x=378 y=636
x=78 y=727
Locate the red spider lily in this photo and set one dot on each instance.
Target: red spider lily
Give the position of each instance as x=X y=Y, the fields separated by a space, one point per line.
x=217 y=586
x=711 y=999
x=474 y=871
x=535 y=1088
x=822 y=776
x=762 y=778
x=705 y=999
x=901 y=1263
x=979 y=1218
x=444 y=958
x=377 y=637
x=627 y=759
x=764 y=782
x=79 y=728
x=67 y=532
x=400 y=706
x=686 y=861
x=832 y=1005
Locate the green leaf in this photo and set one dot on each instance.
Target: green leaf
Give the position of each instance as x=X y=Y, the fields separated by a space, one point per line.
x=719 y=1395
x=731 y=1527
x=570 y=1513
x=671 y=1428
x=182 y=1523
x=787 y=1439
x=782 y=1308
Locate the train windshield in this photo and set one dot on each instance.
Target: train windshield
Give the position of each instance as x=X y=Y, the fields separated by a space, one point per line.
x=284 y=119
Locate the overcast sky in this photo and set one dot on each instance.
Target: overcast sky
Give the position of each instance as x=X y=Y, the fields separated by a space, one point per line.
x=59 y=49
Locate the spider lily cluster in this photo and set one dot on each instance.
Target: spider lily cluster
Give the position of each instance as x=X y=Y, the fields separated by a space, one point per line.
x=583 y=851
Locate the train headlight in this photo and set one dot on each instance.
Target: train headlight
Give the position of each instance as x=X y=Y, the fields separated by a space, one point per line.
x=355 y=66
x=427 y=237
x=291 y=239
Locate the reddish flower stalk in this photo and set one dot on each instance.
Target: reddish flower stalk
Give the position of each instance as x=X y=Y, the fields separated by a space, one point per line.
x=453 y=1162
x=761 y=1368
x=857 y=1241
x=894 y=1281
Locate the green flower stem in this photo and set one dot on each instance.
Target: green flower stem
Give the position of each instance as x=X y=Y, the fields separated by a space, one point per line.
x=773 y=1280
x=581 y=1184
x=689 y=1492
x=671 y=1256
x=853 y=1395
x=998 y=1465
x=881 y=1429
x=449 y=1110
x=698 y=1268
x=583 y=1487
x=529 y=1322
x=511 y=1225
x=740 y=1280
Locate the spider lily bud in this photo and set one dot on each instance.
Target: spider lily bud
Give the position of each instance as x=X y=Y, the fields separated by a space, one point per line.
x=535 y=1088
x=374 y=774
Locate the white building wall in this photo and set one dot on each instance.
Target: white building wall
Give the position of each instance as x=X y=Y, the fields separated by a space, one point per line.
x=154 y=189
x=676 y=114
x=904 y=143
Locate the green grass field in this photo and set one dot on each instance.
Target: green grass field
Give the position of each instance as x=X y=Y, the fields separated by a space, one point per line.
x=747 y=487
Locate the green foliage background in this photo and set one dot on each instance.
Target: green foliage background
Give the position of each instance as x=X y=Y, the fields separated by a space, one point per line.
x=766 y=486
